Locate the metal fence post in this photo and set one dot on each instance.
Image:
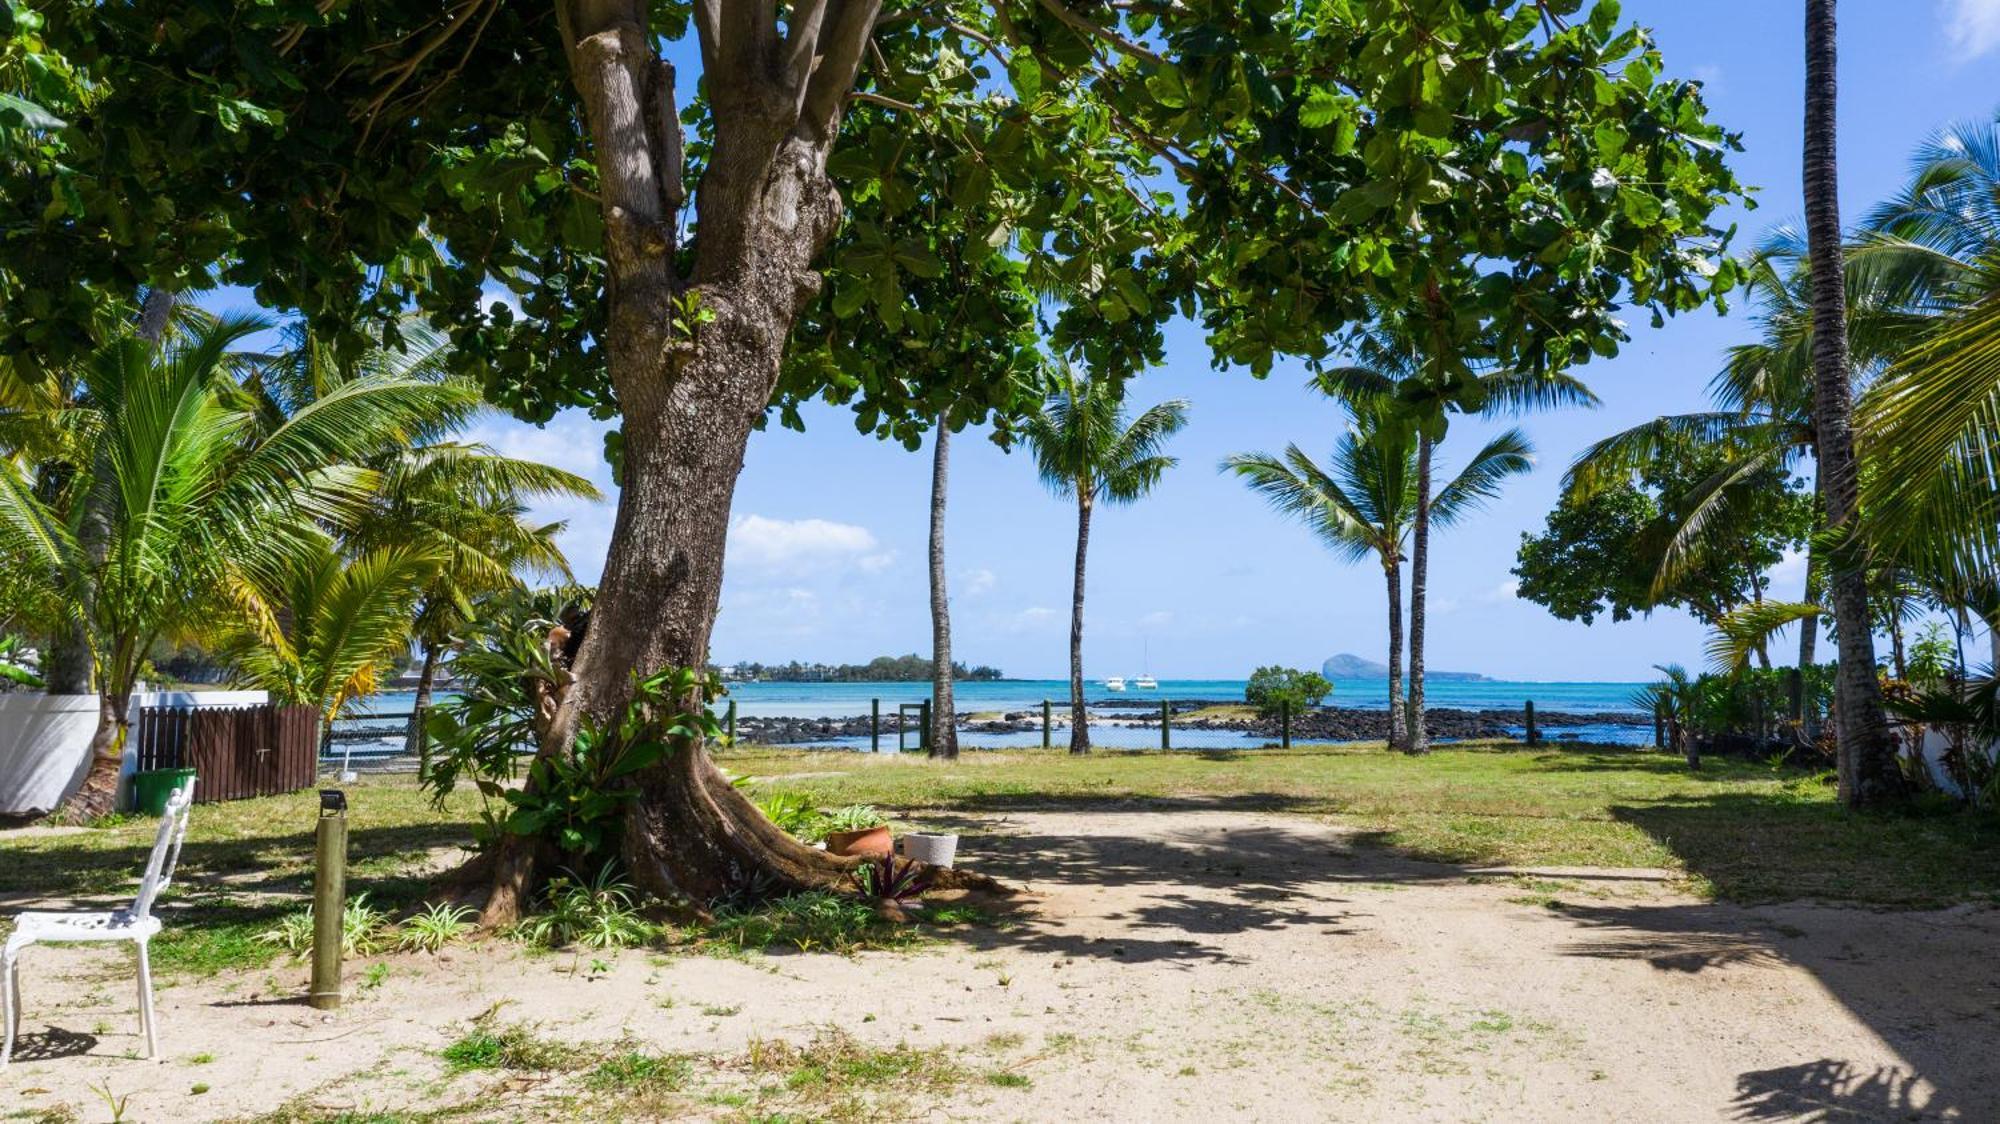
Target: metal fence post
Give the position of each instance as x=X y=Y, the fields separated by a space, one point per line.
x=1166 y=724
x=875 y=725
x=1534 y=735
x=1285 y=723
x=732 y=721
x=1045 y=724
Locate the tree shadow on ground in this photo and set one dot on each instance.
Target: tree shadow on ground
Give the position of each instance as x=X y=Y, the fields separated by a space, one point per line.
x=1187 y=887
x=1830 y=1090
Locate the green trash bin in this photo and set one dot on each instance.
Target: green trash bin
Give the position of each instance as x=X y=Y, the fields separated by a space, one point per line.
x=151 y=788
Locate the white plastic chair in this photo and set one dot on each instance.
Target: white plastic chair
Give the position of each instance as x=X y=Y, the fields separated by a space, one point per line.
x=134 y=923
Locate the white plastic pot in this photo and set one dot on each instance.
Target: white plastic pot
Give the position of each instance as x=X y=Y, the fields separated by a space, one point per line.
x=937 y=850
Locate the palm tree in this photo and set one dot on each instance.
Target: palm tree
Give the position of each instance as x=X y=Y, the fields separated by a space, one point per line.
x=943 y=734
x=1085 y=450
x=1366 y=503
x=1869 y=774
x=320 y=632
x=189 y=501
x=460 y=502
x=1395 y=371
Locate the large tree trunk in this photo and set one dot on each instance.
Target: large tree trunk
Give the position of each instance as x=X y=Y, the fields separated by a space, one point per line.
x=694 y=361
x=944 y=718
x=1868 y=770
x=1079 y=713
x=1392 y=572
x=1420 y=551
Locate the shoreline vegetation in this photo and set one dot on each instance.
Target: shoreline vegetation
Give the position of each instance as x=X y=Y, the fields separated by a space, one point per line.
x=912 y=668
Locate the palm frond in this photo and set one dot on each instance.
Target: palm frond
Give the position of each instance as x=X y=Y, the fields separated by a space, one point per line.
x=1507 y=455
x=1740 y=633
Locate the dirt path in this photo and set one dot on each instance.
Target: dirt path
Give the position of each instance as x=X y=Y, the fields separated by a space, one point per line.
x=1181 y=964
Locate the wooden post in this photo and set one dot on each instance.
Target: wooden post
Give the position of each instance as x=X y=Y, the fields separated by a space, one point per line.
x=1795 y=687
x=874 y=725
x=732 y=721
x=1285 y=723
x=1534 y=735
x=1660 y=725
x=329 y=899
x=924 y=729
x=1045 y=724
x=1166 y=724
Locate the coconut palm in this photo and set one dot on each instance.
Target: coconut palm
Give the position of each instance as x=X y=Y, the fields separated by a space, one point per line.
x=189 y=501
x=1930 y=424
x=460 y=502
x=1868 y=770
x=1086 y=451
x=1365 y=502
x=1395 y=372
x=321 y=631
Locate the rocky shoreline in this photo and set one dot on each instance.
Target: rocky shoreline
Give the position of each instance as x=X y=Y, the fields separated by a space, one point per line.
x=1325 y=724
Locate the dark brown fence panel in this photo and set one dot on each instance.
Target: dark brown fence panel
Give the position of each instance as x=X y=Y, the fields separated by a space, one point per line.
x=237 y=752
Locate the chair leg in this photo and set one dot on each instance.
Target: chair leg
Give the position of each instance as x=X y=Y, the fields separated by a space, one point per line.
x=10 y=996
x=146 y=1001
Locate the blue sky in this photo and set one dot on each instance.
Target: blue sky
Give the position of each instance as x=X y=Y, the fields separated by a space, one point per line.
x=827 y=548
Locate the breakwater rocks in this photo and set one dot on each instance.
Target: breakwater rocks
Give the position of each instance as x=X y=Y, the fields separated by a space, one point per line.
x=1352 y=724
x=810 y=731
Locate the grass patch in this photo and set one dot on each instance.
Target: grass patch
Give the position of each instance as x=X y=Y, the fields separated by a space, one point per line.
x=816 y=921
x=837 y=1077
x=515 y=1047
x=1740 y=829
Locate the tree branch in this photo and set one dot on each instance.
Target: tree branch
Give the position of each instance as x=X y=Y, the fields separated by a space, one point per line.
x=1078 y=23
x=841 y=45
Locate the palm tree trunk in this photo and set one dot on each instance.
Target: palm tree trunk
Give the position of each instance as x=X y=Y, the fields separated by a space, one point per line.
x=1393 y=573
x=1869 y=775
x=1420 y=550
x=944 y=720
x=413 y=740
x=1079 y=715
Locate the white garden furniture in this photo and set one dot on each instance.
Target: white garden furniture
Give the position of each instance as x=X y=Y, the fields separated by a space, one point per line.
x=134 y=923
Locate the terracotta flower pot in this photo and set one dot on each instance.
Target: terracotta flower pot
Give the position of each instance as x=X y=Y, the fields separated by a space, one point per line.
x=872 y=842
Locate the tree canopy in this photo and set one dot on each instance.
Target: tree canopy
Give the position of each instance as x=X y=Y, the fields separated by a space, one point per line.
x=1271 y=166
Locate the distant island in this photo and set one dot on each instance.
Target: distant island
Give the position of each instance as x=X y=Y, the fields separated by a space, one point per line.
x=1349 y=666
x=912 y=668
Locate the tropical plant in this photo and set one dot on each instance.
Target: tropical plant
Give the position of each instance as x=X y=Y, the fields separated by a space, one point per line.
x=1412 y=371
x=436 y=926
x=1366 y=502
x=789 y=811
x=851 y=817
x=185 y=504
x=1671 y=699
x=459 y=502
x=598 y=912
x=1869 y=776
x=891 y=879
x=1086 y=450
x=321 y=631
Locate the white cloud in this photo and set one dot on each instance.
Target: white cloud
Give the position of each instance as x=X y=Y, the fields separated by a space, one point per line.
x=1030 y=619
x=976 y=582
x=803 y=546
x=1505 y=591
x=1973 y=26
x=1157 y=619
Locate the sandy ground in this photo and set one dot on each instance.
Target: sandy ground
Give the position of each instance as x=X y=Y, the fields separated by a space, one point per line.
x=1179 y=964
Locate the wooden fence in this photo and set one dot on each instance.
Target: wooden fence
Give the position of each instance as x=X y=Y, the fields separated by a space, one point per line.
x=236 y=751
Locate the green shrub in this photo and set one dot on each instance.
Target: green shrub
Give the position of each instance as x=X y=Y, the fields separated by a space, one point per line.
x=1274 y=689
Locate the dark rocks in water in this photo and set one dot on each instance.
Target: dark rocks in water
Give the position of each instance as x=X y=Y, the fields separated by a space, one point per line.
x=1336 y=723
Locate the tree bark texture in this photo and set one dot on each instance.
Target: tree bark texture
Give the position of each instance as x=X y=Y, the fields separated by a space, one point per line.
x=1079 y=711
x=944 y=718
x=694 y=361
x=1420 y=549
x=1392 y=570
x=1868 y=771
